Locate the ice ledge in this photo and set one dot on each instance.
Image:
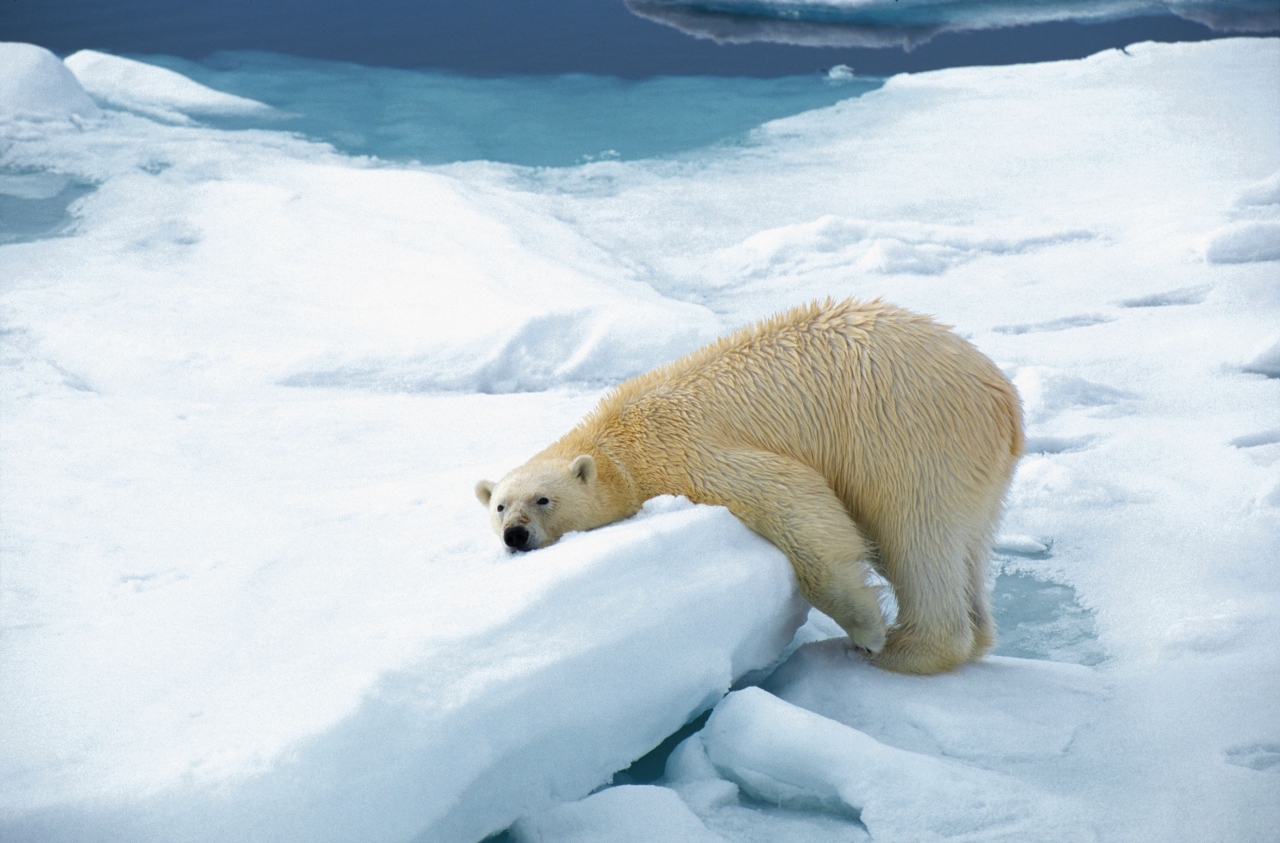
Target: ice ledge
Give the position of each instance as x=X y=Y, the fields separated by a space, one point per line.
x=785 y=755
x=156 y=91
x=652 y=621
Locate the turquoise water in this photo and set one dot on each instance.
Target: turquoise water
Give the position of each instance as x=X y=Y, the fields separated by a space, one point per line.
x=1041 y=619
x=438 y=117
x=34 y=205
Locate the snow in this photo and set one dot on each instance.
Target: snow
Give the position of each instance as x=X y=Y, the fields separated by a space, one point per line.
x=788 y=755
x=249 y=382
x=992 y=713
x=1255 y=235
x=1265 y=359
x=1243 y=242
x=624 y=814
x=154 y=91
x=494 y=709
x=35 y=84
x=1024 y=545
x=1264 y=192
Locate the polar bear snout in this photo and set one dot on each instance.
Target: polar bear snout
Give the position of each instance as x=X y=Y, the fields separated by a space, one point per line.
x=516 y=538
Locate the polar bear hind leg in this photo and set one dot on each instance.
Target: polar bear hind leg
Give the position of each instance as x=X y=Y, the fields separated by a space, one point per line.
x=939 y=565
x=977 y=561
x=792 y=506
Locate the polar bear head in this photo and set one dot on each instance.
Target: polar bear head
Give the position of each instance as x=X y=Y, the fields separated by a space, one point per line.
x=545 y=498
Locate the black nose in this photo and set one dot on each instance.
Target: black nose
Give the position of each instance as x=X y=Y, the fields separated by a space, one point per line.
x=516 y=537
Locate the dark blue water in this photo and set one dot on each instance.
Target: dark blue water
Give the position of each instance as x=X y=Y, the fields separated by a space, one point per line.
x=488 y=37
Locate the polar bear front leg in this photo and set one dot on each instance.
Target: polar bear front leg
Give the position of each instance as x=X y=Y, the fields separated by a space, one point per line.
x=792 y=506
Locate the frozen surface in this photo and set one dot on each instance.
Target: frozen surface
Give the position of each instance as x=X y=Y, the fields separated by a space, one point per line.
x=626 y=814
x=908 y=23
x=1254 y=236
x=249 y=381
x=577 y=661
x=1265 y=359
x=998 y=711
x=34 y=84
x=35 y=205
x=789 y=755
x=154 y=91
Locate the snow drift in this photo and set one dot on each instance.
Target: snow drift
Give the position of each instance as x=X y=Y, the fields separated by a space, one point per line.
x=155 y=91
x=35 y=84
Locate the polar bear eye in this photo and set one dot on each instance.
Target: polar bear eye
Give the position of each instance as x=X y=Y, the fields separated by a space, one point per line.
x=501 y=507
x=543 y=501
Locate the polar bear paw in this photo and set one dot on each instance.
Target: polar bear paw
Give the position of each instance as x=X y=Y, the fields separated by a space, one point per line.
x=867 y=641
x=869 y=635
x=885 y=595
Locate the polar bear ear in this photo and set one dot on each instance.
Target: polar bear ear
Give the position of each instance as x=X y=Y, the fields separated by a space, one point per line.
x=583 y=467
x=484 y=491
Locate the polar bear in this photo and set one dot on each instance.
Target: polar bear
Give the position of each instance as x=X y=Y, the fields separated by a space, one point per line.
x=863 y=440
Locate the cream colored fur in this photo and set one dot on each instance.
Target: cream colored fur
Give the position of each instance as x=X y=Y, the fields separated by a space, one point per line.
x=854 y=436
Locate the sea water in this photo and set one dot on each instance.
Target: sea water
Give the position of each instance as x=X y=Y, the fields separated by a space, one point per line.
x=602 y=37
x=439 y=116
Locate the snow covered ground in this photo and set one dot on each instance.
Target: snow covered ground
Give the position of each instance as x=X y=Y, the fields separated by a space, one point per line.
x=249 y=381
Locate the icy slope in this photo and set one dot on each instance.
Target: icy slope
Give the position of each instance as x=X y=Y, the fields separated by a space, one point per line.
x=155 y=91
x=34 y=84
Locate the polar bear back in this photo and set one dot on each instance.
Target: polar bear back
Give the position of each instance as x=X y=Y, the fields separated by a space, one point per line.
x=883 y=402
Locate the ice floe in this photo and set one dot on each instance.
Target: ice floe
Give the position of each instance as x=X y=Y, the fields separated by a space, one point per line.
x=248 y=383
x=908 y=23
x=34 y=83
x=154 y=91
